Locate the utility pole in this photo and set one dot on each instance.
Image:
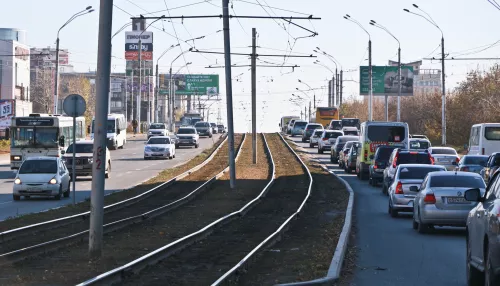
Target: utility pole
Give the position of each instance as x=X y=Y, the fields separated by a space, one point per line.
x=443 y=115
x=101 y=117
x=399 y=86
x=333 y=91
x=148 y=111
x=337 y=94
x=305 y=112
x=132 y=115
x=254 y=95
x=138 y=103
x=309 y=111
x=56 y=78
x=370 y=99
x=229 y=93
x=157 y=91
x=341 y=86
x=329 y=93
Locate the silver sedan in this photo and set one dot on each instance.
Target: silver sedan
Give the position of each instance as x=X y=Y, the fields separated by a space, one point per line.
x=440 y=200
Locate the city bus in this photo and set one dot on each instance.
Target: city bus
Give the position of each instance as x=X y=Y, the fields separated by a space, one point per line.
x=324 y=115
x=374 y=134
x=116 y=133
x=42 y=135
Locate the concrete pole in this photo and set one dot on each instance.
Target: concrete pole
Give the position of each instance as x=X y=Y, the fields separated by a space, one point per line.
x=229 y=93
x=443 y=115
x=337 y=84
x=126 y=98
x=101 y=117
x=148 y=111
x=333 y=91
x=254 y=95
x=56 y=79
x=157 y=89
x=341 y=86
x=370 y=95
x=399 y=85
x=330 y=93
x=138 y=103
x=132 y=115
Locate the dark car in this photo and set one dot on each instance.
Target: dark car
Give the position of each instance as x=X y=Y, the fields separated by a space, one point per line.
x=491 y=166
x=401 y=156
x=309 y=130
x=472 y=163
x=203 y=128
x=379 y=162
x=339 y=144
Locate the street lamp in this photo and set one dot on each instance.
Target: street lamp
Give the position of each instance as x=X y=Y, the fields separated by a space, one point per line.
x=157 y=90
x=443 y=109
x=370 y=92
x=314 y=93
x=56 y=80
x=172 y=91
x=335 y=91
x=375 y=24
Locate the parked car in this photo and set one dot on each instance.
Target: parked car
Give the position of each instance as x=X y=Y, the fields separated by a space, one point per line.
x=418 y=136
x=343 y=153
x=483 y=246
x=315 y=137
x=42 y=176
x=203 y=128
x=159 y=147
x=472 y=163
x=419 y=144
x=445 y=156
x=351 y=158
x=214 y=128
x=309 y=129
x=187 y=136
x=401 y=156
x=440 y=199
x=221 y=129
x=401 y=193
x=379 y=162
x=84 y=152
x=339 y=144
x=298 y=127
x=157 y=129
x=327 y=139
x=491 y=166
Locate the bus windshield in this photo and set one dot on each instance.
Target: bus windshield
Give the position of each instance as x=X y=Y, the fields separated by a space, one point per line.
x=33 y=137
x=350 y=122
x=386 y=133
x=109 y=129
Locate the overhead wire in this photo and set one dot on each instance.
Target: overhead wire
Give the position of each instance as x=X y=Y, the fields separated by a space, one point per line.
x=239 y=22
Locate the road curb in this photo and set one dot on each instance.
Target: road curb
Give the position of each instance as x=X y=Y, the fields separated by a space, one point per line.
x=335 y=268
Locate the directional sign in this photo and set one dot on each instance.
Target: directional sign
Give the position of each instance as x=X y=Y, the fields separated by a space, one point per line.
x=74 y=105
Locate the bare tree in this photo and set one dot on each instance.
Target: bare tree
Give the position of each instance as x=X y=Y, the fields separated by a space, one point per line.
x=42 y=86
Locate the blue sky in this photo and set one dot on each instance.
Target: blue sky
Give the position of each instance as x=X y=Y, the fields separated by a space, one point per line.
x=467 y=25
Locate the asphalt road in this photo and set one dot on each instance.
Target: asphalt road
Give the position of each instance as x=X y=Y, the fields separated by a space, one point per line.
x=128 y=169
x=389 y=251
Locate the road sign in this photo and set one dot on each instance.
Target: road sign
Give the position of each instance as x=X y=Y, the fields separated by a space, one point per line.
x=74 y=105
x=385 y=80
x=191 y=84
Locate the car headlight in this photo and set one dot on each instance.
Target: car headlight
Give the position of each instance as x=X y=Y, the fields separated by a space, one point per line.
x=17 y=181
x=53 y=181
x=90 y=160
x=147 y=149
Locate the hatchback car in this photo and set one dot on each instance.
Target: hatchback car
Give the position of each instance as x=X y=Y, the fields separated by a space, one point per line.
x=419 y=144
x=215 y=130
x=445 y=156
x=401 y=193
x=159 y=147
x=491 y=166
x=42 y=176
x=298 y=127
x=343 y=153
x=187 y=136
x=315 y=137
x=327 y=139
x=379 y=162
x=440 y=199
x=483 y=246
x=203 y=128
x=157 y=129
x=309 y=130
x=84 y=153
x=338 y=145
x=472 y=163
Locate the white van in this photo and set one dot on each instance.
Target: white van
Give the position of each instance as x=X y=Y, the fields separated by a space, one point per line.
x=116 y=131
x=484 y=139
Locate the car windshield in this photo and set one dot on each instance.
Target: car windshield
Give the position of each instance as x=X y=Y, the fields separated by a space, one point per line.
x=110 y=128
x=353 y=132
x=344 y=139
x=301 y=124
x=220 y=126
x=413 y=158
x=156 y=140
x=421 y=145
x=332 y=134
x=384 y=153
x=38 y=167
x=318 y=133
x=157 y=126
x=312 y=127
x=476 y=160
x=34 y=137
x=186 y=131
x=336 y=124
x=201 y=124
x=213 y=124
x=457 y=181
x=81 y=148
x=386 y=133
x=348 y=145
x=416 y=173
x=354 y=122
x=444 y=151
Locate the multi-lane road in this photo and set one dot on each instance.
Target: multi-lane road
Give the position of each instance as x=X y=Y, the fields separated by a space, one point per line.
x=128 y=169
x=389 y=251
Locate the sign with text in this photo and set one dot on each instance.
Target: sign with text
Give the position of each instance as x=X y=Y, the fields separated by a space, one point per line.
x=34 y=121
x=135 y=47
x=134 y=56
x=385 y=80
x=6 y=108
x=133 y=37
x=191 y=84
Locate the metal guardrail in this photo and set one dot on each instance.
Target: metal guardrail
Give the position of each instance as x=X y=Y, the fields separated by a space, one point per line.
x=275 y=236
x=116 y=275
x=47 y=225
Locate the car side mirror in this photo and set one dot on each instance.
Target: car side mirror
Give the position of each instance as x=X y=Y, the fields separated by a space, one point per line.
x=63 y=152
x=413 y=189
x=473 y=195
x=371 y=157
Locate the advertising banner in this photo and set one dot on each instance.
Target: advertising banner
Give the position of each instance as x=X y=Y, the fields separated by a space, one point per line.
x=147 y=68
x=191 y=84
x=135 y=86
x=133 y=37
x=385 y=80
x=135 y=46
x=134 y=56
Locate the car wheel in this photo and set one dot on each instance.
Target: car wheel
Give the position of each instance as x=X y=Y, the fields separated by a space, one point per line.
x=474 y=276
x=362 y=175
x=331 y=159
x=107 y=175
x=422 y=227
x=176 y=146
x=320 y=150
x=59 y=195
x=392 y=211
x=348 y=170
x=490 y=278
x=370 y=180
x=16 y=198
x=384 y=189
x=197 y=145
x=66 y=194
x=414 y=224
x=311 y=145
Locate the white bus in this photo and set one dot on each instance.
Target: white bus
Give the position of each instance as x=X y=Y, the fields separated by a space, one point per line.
x=116 y=131
x=484 y=139
x=42 y=135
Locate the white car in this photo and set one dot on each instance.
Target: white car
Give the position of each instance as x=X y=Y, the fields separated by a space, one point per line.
x=159 y=147
x=157 y=129
x=187 y=136
x=327 y=139
x=42 y=176
x=315 y=137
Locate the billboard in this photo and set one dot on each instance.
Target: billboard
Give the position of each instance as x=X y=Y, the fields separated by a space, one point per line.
x=133 y=37
x=147 y=68
x=191 y=84
x=135 y=47
x=134 y=56
x=385 y=80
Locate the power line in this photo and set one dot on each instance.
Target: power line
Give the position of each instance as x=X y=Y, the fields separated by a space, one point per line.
x=177 y=36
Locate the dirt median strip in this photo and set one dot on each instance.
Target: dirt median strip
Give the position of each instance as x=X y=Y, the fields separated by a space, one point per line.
x=71 y=265
x=207 y=260
x=306 y=250
x=84 y=206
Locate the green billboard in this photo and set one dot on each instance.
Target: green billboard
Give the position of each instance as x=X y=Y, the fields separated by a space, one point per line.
x=385 y=80
x=191 y=84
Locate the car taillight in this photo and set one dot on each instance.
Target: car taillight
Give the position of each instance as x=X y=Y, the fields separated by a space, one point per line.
x=325 y=139
x=482 y=150
x=366 y=155
x=375 y=166
x=399 y=189
x=430 y=199
x=432 y=159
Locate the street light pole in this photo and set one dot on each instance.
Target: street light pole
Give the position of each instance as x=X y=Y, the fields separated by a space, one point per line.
x=157 y=90
x=56 y=78
x=172 y=92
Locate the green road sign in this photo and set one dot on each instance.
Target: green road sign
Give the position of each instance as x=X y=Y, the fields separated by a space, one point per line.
x=191 y=84
x=385 y=80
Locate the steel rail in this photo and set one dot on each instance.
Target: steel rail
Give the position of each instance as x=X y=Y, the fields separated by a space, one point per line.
x=275 y=236
x=116 y=275
x=47 y=225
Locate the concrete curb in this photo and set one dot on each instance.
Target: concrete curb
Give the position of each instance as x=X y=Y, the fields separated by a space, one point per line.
x=335 y=268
